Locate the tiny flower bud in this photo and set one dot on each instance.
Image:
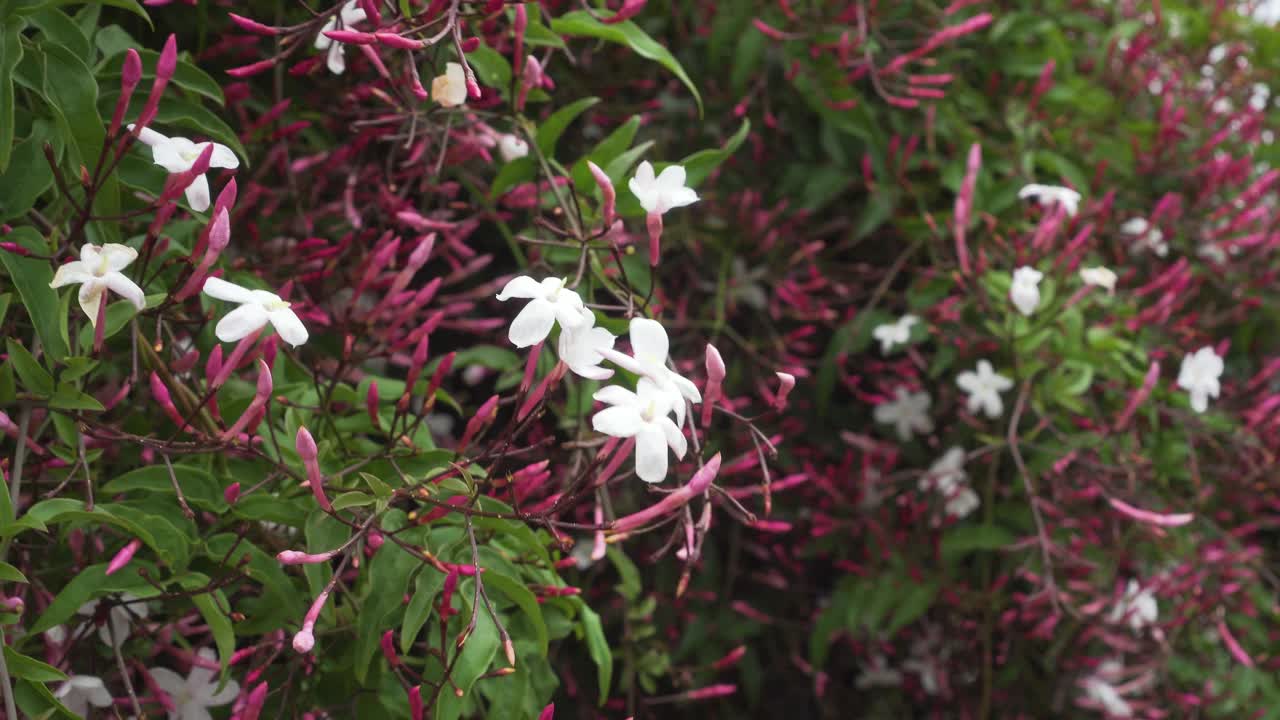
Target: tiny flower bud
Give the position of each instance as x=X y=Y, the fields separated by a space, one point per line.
x=787 y=382
x=123 y=557
x=609 y=195
x=232 y=493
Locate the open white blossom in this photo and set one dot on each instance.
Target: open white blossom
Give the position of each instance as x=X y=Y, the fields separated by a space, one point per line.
x=1050 y=195
x=97 y=271
x=946 y=473
x=1147 y=237
x=878 y=674
x=450 y=89
x=961 y=502
x=665 y=192
x=894 y=333
x=119 y=622
x=194 y=695
x=350 y=14
x=1025 y=290
x=549 y=301
x=580 y=348
x=257 y=308
x=78 y=692
x=1200 y=375
x=178 y=155
x=511 y=147
x=908 y=412
x=1103 y=277
x=643 y=415
x=649 y=348
x=1100 y=689
x=1137 y=608
x=984 y=388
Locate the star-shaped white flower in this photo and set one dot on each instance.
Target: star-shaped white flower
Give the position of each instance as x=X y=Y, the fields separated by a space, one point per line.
x=511 y=147
x=1103 y=277
x=894 y=333
x=257 y=308
x=649 y=348
x=78 y=692
x=984 y=388
x=1100 y=689
x=1137 y=608
x=1025 y=290
x=665 y=192
x=193 y=696
x=1199 y=376
x=1148 y=237
x=178 y=154
x=450 y=89
x=642 y=415
x=580 y=348
x=908 y=412
x=549 y=301
x=946 y=473
x=961 y=502
x=1050 y=195
x=119 y=622
x=97 y=271
x=350 y=14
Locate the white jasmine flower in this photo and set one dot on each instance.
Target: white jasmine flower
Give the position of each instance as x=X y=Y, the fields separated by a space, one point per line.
x=1137 y=608
x=350 y=14
x=962 y=502
x=1148 y=237
x=878 y=674
x=908 y=412
x=78 y=692
x=946 y=473
x=642 y=415
x=257 y=308
x=894 y=333
x=1100 y=276
x=580 y=348
x=450 y=89
x=97 y=271
x=1100 y=690
x=1199 y=376
x=511 y=147
x=984 y=388
x=120 y=618
x=549 y=301
x=649 y=348
x=178 y=154
x=1025 y=290
x=665 y=192
x=1050 y=195
x=199 y=691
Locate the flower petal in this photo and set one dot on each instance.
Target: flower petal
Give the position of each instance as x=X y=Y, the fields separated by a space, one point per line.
x=290 y=327
x=521 y=286
x=675 y=439
x=149 y=137
x=222 y=157
x=91 y=297
x=651 y=454
x=617 y=395
x=672 y=178
x=168 y=680
x=241 y=322
x=336 y=59
x=626 y=362
x=172 y=154
x=73 y=272
x=618 y=421
x=229 y=291
x=686 y=388
x=198 y=194
x=118 y=256
x=533 y=324
x=644 y=173
x=126 y=288
x=649 y=340
x=226 y=695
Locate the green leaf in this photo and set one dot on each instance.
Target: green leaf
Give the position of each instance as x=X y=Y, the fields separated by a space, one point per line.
x=29 y=668
x=629 y=587
x=429 y=583
x=210 y=606
x=517 y=171
x=580 y=23
x=92 y=581
x=972 y=538
x=597 y=646
x=199 y=488
x=69 y=85
x=353 y=499
x=552 y=128
x=491 y=68
x=472 y=662
x=524 y=598
x=388 y=577
x=29 y=174
x=910 y=607
x=33 y=377
x=185 y=75
x=10 y=55
x=700 y=164
x=9 y=573
x=69 y=397
x=37 y=701
x=56 y=26
x=31 y=276
x=604 y=152
x=27 y=6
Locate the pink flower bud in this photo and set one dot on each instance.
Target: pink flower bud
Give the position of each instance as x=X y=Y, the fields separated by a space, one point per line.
x=548 y=712
x=609 y=203
x=715 y=380
x=260 y=399
x=653 y=221
x=371 y=10
x=303 y=641
x=416 y=708
x=788 y=381
x=352 y=37
x=253 y=705
x=232 y=493
x=296 y=557
x=252 y=69
x=1151 y=518
x=131 y=71
x=161 y=395
x=697 y=485
x=400 y=42
x=371 y=403
x=629 y=9
x=253 y=26
x=964 y=204
x=306 y=447
x=389 y=648
x=123 y=557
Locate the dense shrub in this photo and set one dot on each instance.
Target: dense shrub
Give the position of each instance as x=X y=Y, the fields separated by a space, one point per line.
x=957 y=321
